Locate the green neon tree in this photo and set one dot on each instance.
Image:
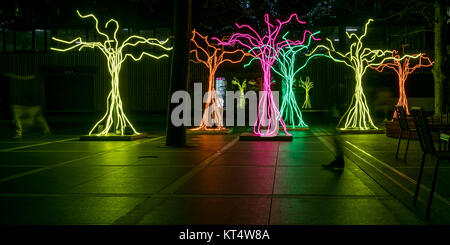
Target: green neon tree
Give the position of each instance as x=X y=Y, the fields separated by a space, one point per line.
x=307 y=85
x=288 y=68
x=359 y=59
x=114 y=117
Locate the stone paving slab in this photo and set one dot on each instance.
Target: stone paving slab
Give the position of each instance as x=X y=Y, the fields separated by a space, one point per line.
x=254 y=146
x=63 y=210
x=38 y=158
x=304 y=158
x=256 y=158
x=302 y=147
x=8 y=171
x=399 y=176
x=338 y=211
x=79 y=146
x=444 y=183
x=54 y=180
x=230 y=180
x=318 y=181
x=212 y=210
x=215 y=180
x=6 y=145
x=134 y=180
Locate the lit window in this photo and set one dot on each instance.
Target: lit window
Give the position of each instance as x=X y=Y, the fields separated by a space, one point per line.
x=351 y=29
x=40 y=39
x=9 y=41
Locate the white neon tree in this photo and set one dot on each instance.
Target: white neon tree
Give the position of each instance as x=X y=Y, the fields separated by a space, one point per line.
x=359 y=59
x=113 y=51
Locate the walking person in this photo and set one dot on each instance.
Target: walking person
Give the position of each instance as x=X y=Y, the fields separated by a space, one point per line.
x=338 y=163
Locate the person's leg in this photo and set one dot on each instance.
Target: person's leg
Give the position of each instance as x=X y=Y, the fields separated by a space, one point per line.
x=338 y=162
x=16 y=114
x=338 y=146
x=40 y=119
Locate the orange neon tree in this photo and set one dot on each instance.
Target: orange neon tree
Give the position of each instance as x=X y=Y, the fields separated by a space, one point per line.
x=212 y=56
x=403 y=69
x=256 y=85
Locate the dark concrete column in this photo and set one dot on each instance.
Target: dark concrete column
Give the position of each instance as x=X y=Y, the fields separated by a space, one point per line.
x=179 y=74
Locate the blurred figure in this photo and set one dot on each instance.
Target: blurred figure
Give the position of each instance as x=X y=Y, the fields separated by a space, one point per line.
x=26 y=118
x=26 y=115
x=338 y=163
x=383 y=104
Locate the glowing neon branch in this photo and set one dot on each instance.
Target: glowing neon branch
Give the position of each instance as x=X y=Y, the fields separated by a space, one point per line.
x=359 y=59
x=403 y=69
x=256 y=85
x=114 y=117
x=212 y=56
x=266 y=49
x=288 y=68
x=241 y=87
x=307 y=85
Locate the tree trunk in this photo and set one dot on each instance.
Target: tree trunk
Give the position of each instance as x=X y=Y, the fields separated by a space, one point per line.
x=290 y=111
x=268 y=113
x=211 y=114
x=307 y=103
x=179 y=74
x=440 y=57
x=114 y=119
x=357 y=115
x=402 y=99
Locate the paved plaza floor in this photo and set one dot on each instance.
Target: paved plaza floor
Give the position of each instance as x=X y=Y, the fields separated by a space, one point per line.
x=217 y=179
x=375 y=155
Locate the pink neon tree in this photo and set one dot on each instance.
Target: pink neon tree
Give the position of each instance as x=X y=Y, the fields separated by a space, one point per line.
x=266 y=49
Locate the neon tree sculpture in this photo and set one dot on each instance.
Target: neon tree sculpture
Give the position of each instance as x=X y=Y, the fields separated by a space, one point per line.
x=241 y=87
x=359 y=59
x=286 y=68
x=403 y=69
x=256 y=85
x=212 y=56
x=266 y=48
x=307 y=85
x=113 y=52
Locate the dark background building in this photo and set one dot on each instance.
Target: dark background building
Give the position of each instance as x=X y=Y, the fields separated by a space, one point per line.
x=79 y=81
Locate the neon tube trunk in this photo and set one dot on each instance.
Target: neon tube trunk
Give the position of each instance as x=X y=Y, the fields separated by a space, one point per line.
x=242 y=100
x=307 y=103
x=114 y=107
x=211 y=108
x=268 y=114
x=402 y=99
x=358 y=115
x=290 y=110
